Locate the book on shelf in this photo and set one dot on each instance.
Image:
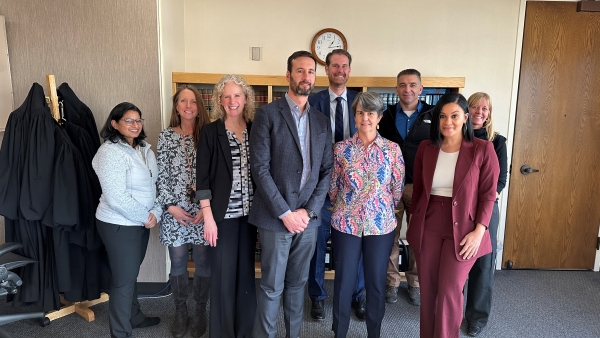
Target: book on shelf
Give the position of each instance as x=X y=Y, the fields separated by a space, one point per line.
x=388 y=99
x=260 y=98
x=206 y=95
x=278 y=95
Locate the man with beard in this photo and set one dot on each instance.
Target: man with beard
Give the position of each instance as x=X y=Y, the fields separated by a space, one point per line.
x=407 y=123
x=335 y=103
x=291 y=159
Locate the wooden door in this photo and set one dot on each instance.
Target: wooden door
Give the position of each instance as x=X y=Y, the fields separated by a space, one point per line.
x=553 y=215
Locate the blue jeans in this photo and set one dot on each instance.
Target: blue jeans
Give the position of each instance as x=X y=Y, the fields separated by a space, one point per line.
x=316 y=274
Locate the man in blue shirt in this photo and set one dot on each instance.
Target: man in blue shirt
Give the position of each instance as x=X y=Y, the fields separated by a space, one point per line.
x=407 y=123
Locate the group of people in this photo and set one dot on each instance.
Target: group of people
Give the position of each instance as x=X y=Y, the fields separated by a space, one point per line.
x=301 y=171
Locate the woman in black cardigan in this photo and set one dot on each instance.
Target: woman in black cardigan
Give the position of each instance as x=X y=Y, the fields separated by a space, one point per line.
x=481 y=276
x=225 y=189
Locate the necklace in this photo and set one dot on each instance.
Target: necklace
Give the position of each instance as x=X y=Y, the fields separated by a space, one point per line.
x=189 y=162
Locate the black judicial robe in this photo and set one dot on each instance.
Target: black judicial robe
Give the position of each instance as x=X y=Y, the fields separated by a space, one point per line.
x=88 y=260
x=48 y=204
x=84 y=118
x=25 y=182
x=13 y=151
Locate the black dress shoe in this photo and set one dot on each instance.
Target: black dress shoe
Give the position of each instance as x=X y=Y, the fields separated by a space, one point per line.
x=317 y=311
x=147 y=323
x=391 y=294
x=359 y=308
x=474 y=330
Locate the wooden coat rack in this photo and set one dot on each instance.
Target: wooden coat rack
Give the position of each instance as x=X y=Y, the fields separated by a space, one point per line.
x=81 y=308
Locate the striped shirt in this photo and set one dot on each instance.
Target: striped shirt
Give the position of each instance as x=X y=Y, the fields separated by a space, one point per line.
x=242 y=192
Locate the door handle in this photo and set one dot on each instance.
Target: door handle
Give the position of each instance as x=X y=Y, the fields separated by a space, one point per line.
x=526 y=170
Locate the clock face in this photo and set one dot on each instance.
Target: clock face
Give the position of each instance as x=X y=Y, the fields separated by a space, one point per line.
x=326 y=41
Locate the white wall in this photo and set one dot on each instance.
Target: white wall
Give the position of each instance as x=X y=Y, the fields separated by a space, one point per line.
x=471 y=38
x=172 y=48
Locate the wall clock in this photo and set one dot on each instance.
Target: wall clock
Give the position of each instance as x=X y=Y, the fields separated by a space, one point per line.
x=325 y=41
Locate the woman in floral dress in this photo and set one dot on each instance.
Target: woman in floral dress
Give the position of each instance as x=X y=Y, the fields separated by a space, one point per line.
x=182 y=222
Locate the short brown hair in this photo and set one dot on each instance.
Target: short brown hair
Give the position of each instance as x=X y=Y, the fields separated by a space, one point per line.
x=338 y=52
x=409 y=71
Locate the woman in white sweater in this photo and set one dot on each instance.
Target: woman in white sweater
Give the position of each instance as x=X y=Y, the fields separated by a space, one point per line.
x=126 y=168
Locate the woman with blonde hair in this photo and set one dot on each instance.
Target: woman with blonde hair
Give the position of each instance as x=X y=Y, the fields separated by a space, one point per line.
x=182 y=223
x=225 y=191
x=481 y=276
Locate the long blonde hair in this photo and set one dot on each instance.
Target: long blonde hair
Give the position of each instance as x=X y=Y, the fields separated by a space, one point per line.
x=218 y=110
x=488 y=123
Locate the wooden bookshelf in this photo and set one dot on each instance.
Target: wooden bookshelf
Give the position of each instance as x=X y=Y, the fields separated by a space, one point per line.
x=455 y=84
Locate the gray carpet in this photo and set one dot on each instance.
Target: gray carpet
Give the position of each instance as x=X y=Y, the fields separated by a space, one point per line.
x=527 y=304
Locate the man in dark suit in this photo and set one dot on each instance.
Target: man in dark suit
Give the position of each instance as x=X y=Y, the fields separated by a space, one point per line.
x=291 y=159
x=407 y=123
x=335 y=103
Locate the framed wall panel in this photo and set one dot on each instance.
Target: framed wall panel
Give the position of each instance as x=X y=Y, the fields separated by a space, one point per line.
x=6 y=91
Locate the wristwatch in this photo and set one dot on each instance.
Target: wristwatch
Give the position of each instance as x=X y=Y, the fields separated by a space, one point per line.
x=311 y=213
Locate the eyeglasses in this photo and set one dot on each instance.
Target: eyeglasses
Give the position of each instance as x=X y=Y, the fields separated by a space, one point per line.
x=130 y=122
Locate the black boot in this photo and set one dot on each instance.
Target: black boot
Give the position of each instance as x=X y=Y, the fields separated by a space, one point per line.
x=179 y=286
x=201 y=292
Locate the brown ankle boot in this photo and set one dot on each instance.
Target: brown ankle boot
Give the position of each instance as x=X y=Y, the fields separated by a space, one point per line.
x=179 y=287
x=201 y=292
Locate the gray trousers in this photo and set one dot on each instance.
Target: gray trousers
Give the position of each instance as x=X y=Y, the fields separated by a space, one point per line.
x=126 y=248
x=285 y=261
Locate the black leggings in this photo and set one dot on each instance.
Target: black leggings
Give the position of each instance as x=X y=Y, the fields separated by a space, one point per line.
x=179 y=258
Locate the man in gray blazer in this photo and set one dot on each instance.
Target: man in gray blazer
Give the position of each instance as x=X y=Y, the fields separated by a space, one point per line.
x=291 y=159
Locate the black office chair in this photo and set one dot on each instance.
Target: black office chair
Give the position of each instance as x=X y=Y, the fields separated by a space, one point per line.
x=10 y=281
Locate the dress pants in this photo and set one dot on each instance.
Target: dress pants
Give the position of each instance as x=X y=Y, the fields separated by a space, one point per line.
x=393 y=272
x=126 y=248
x=347 y=250
x=232 y=292
x=285 y=259
x=481 y=279
x=316 y=273
x=441 y=276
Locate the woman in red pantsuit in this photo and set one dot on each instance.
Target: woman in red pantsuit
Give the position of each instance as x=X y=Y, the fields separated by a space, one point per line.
x=454 y=191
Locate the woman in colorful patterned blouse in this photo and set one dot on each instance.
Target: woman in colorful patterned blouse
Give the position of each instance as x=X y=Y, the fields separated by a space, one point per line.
x=366 y=184
x=182 y=220
x=225 y=191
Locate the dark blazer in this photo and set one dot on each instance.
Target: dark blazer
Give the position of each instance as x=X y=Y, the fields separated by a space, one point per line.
x=321 y=102
x=214 y=167
x=276 y=163
x=473 y=192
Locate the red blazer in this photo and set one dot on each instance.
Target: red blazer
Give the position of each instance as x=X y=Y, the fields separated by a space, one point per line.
x=473 y=192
